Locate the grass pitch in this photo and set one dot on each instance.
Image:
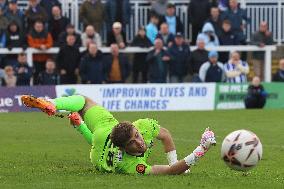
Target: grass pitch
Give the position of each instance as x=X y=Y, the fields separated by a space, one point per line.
x=41 y=152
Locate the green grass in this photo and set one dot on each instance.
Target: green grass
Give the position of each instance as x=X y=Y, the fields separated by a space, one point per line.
x=41 y=152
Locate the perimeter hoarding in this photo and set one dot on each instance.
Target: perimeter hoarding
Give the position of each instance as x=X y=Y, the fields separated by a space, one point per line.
x=10 y=97
x=146 y=97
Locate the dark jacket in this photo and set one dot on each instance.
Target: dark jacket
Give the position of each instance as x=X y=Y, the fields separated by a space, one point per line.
x=48 y=4
x=227 y=38
x=123 y=63
x=16 y=39
x=179 y=24
x=62 y=39
x=18 y=17
x=198 y=11
x=32 y=16
x=236 y=19
x=169 y=39
x=68 y=58
x=257 y=39
x=25 y=77
x=197 y=58
x=55 y=27
x=217 y=25
x=158 y=69
x=139 y=61
x=111 y=38
x=113 y=15
x=92 y=14
x=278 y=76
x=49 y=79
x=92 y=69
x=179 y=60
x=256 y=97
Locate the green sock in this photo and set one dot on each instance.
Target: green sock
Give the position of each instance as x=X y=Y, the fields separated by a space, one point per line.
x=73 y=103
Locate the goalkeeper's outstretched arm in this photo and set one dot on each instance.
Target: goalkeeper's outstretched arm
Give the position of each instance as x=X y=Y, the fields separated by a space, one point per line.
x=169 y=146
x=175 y=169
x=181 y=166
x=207 y=140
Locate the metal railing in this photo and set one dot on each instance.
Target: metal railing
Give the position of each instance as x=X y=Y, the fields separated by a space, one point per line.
x=258 y=10
x=267 y=50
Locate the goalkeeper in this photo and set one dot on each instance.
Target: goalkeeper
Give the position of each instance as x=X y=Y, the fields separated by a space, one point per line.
x=120 y=147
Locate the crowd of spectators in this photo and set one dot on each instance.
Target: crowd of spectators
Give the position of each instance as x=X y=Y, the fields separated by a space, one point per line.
x=42 y=26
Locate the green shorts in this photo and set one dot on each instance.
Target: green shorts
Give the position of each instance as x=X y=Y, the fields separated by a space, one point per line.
x=100 y=122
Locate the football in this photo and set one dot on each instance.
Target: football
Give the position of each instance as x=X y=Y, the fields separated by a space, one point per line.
x=241 y=150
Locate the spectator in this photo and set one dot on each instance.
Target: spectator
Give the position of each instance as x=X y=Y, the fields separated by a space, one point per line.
x=197 y=58
x=256 y=96
x=3 y=20
x=9 y=79
x=57 y=23
x=68 y=60
x=3 y=5
x=48 y=5
x=198 y=13
x=237 y=17
x=117 y=66
x=279 y=75
x=236 y=69
x=164 y=34
x=260 y=38
x=159 y=7
x=173 y=21
x=49 y=76
x=209 y=35
x=117 y=36
x=33 y=13
x=90 y=35
x=180 y=53
x=212 y=70
x=23 y=70
x=40 y=39
x=14 y=14
x=15 y=38
x=158 y=60
x=152 y=28
x=139 y=62
x=92 y=68
x=215 y=20
x=92 y=13
x=70 y=30
x=117 y=11
x=227 y=37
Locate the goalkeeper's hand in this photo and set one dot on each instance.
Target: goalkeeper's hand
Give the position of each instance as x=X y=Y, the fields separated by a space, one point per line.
x=75 y=119
x=207 y=139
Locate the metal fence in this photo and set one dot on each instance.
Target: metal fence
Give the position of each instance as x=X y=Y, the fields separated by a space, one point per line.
x=258 y=10
x=246 y=48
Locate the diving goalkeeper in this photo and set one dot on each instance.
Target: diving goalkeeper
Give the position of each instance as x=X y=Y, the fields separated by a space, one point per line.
x=120 y=147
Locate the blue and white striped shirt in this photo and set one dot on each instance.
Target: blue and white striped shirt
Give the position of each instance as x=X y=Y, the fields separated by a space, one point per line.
x=242 y=78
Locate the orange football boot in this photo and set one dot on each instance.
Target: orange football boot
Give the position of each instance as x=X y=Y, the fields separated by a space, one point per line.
x=40 y=103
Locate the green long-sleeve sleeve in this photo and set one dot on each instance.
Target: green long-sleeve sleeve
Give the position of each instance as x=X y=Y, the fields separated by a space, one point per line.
x=84 y=130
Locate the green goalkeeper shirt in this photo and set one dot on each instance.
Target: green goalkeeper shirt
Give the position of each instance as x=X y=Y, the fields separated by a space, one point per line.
x=104 y=155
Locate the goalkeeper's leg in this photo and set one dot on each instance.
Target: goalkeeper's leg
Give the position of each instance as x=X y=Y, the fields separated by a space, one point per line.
x=75 y=103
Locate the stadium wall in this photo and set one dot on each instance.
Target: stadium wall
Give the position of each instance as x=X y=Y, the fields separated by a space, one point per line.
x=148 y=97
